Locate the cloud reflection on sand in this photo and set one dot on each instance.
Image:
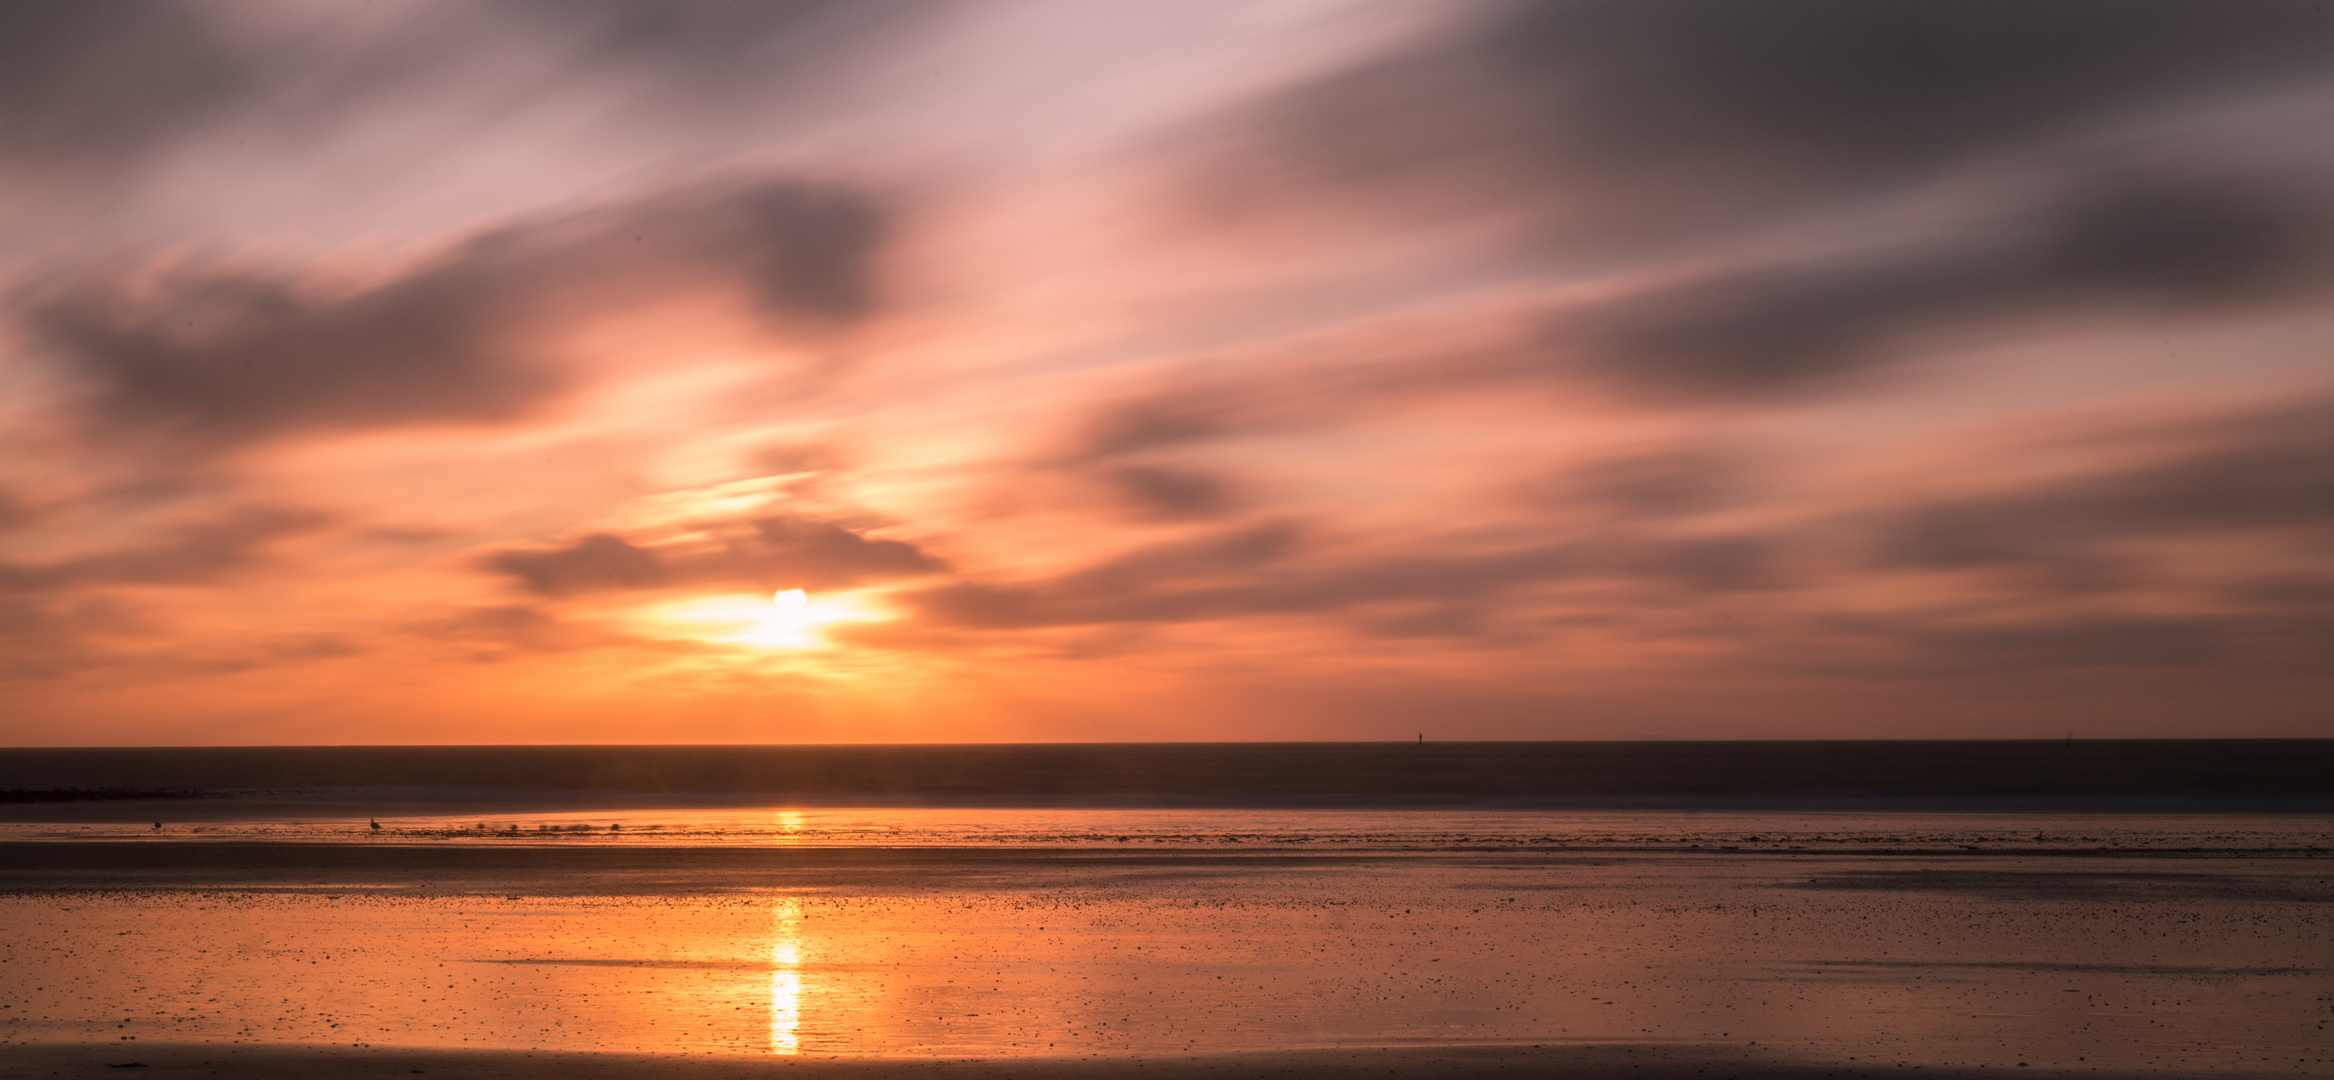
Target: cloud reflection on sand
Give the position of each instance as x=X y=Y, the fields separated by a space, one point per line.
x=950 y=954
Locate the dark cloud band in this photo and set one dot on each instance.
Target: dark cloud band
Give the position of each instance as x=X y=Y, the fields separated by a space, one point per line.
x=219 y=356
x=768 y=553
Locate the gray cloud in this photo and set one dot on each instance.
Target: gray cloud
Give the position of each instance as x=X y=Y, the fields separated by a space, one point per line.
x=811 y=250
x=798 y=458
x=1665 y=482
x=88 y=83
x=1668 y=117
x=2182 y=241
x=15 y=513
x=223 y=356
x=1623 y=553
x=802 y=553
x=1263 y=570
x=1784 y=328
x=496 y=633
x=45 y=639
x=193 y=553
x=719 y=44
x=2287 y=591
x=1190 y=579
x=768 y=553
x=96 y=87
x=1157 y=491
x=1163 y=418
x=2256 y=473
x=596 y=563
x=2267 y=644
x=2150 y=245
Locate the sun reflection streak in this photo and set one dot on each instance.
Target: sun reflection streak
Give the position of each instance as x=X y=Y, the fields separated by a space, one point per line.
x=786 y=978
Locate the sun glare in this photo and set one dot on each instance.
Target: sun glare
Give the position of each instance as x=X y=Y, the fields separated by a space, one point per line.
x=789 y=619
x=786 y=978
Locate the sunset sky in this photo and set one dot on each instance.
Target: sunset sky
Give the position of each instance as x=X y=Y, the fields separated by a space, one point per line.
x=490 y=371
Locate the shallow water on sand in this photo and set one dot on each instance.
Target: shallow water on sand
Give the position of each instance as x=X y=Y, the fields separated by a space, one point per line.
x=1375 y=930
x=1291 y=829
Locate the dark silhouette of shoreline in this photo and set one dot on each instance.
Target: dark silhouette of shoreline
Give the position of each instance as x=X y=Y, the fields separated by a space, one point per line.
x=67 y=795
x=1615 y=1061
x=2263 y=774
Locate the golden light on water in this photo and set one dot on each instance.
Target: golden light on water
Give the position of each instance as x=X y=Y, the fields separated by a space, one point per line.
x=786 y=978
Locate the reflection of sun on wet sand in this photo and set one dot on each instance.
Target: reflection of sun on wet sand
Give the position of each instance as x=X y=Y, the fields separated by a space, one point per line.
x=522 y=932
x=1800 y=951
x=786 y=978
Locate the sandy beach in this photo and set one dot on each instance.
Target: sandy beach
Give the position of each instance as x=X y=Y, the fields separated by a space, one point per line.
x=1170 y=943
x=1600 y=1062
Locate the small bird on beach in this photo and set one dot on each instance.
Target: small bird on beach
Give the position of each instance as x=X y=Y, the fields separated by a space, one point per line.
x=376 y=822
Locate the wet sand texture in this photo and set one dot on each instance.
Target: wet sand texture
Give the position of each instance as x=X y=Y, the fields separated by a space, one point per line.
x=1180 y=911
x=1608 y=1062
x=2167 y=964
x=2025 y=872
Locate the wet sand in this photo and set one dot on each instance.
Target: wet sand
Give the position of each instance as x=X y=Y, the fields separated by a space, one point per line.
x=1605 y=1062
x=1421 y=943
x=1642 y=910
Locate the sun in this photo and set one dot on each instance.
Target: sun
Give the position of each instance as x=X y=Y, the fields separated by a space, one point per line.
x=789 y=619
x=788 y=624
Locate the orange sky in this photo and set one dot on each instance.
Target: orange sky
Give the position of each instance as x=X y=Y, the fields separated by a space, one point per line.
x=1280 y=370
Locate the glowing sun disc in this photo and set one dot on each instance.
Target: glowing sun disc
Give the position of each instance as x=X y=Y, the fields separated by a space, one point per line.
x=788 y=620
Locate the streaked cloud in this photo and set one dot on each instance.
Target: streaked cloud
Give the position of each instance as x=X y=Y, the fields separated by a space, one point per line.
x=224 y=354
x=1238 y=370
